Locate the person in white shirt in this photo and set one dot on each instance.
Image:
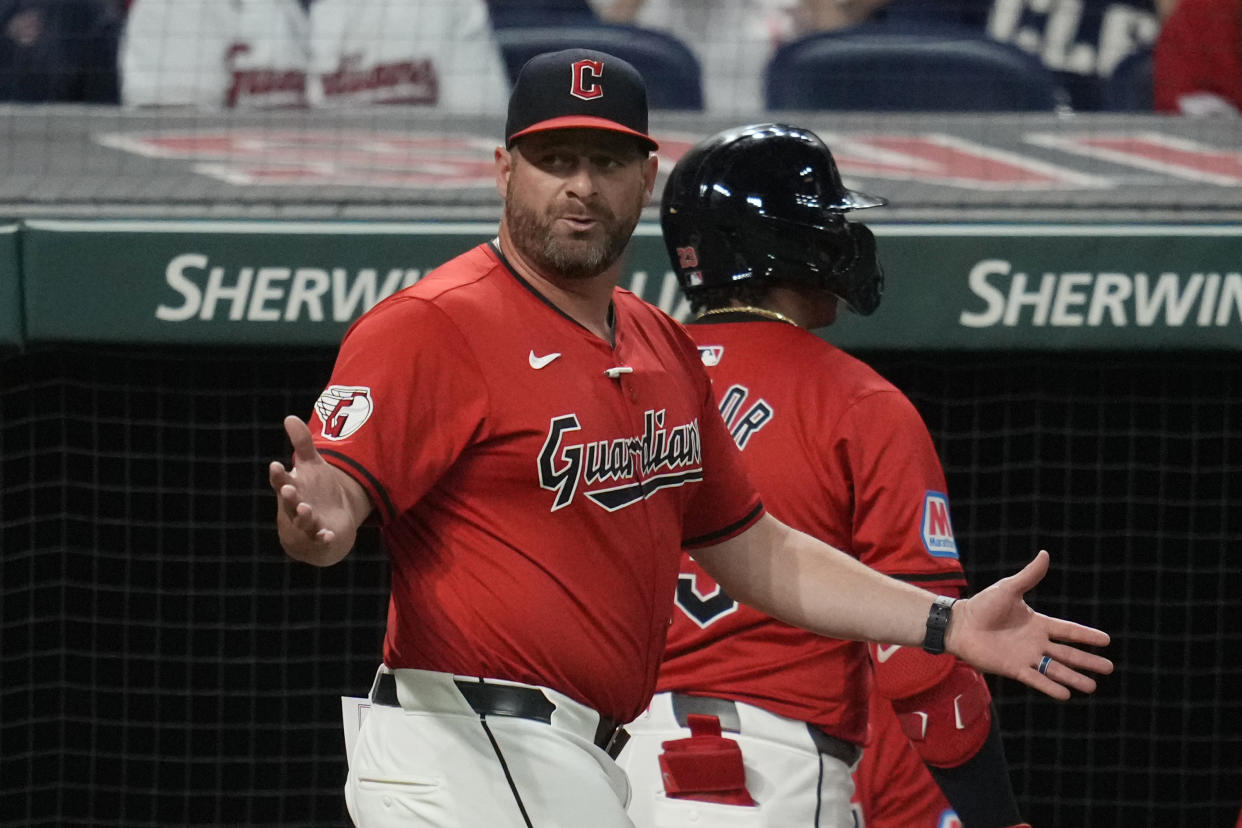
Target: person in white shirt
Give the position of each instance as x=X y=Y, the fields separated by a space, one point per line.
x=263 y=54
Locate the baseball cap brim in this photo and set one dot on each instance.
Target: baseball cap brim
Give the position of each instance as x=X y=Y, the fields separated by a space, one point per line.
x=585 y=122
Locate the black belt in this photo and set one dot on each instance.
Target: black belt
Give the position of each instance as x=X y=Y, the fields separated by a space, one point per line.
x=487 y=699
x=726 y=711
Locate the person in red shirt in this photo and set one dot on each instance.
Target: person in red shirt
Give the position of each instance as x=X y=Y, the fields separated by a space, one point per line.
x=754 y=222
x=1197 y=61
x=538 y=446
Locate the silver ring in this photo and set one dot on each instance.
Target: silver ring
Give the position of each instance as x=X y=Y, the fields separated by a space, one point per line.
x=1043 y=665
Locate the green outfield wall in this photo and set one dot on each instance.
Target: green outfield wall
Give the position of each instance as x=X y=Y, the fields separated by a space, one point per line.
x=10 y=288
x=964 y=286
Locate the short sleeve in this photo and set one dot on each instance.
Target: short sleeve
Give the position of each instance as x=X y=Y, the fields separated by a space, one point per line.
x=901 y=520
x=726 y=503
x=404 y=401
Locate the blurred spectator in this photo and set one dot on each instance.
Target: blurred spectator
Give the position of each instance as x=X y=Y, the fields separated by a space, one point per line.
x=506 y=13
x=732 y=39
x=1197 y=68
x=213 y=53
x=825 y=15
x=439 y=53
x=59 y=51
x=277 y=53
x=1081 y=41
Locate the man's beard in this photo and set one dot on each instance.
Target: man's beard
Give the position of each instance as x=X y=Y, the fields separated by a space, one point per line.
x=580 y=255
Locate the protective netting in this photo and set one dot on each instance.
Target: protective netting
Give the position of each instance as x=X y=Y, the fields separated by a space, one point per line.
x=163 y=663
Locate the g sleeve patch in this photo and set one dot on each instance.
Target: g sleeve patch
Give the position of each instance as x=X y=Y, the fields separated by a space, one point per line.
x=343 y=409
x=937 y=527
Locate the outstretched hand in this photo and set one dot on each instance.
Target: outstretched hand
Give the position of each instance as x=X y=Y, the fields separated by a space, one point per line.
x=997 y=632
x=318 y=507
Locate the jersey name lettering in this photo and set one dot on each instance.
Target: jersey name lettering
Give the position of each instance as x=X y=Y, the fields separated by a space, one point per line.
x=269 y=86
x=410 y=81
x=640 y=466
x=1072 y=36
x=743 y=424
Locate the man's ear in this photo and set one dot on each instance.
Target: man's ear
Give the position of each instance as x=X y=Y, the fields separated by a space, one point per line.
x=651 y=165
x=504 y=167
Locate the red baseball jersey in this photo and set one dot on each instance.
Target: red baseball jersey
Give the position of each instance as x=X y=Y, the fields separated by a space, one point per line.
x=535 y=485
x=892 y=786
x=842 y=455
x=1198 y=50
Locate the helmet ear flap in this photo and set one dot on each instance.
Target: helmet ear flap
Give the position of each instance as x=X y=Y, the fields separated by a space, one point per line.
x=856 y=275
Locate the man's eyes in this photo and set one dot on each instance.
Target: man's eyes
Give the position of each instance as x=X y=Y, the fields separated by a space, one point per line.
x=566 y=161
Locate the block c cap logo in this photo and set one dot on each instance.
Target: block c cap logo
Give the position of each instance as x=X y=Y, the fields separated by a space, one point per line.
x=586 y=77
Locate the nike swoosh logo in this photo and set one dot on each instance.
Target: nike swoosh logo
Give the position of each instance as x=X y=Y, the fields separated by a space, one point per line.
x=883 y=653
x=538 y=362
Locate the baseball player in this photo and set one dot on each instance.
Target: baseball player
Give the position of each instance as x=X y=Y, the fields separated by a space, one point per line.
x=538 y=446
x=754 y=222
x=267 y=54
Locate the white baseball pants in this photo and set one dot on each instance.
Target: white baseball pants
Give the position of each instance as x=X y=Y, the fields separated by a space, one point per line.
x=434 y=761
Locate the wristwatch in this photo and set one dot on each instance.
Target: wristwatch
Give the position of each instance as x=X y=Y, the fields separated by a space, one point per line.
x=937 y=622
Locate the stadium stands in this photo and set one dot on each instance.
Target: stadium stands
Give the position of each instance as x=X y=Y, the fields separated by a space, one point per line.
x=672 y=72
x=907 y=67
x=1129 y=87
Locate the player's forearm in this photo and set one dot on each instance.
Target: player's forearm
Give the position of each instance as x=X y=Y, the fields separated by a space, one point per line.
x=804 y=582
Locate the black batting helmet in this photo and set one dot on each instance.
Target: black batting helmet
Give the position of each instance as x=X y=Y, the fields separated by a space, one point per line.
x=766 y=202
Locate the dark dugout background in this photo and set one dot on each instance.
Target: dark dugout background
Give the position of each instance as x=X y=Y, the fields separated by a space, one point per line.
x=164 y=664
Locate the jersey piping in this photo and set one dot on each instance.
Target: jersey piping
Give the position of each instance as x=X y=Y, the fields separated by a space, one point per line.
x=729 y=531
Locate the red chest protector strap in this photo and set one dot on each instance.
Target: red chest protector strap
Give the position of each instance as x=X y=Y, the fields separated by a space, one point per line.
x=706 y=767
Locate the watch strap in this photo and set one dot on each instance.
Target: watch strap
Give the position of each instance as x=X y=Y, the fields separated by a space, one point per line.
x=937 y=622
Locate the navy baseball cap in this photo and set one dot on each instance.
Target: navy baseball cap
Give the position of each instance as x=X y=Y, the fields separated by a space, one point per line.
x=578 y=88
